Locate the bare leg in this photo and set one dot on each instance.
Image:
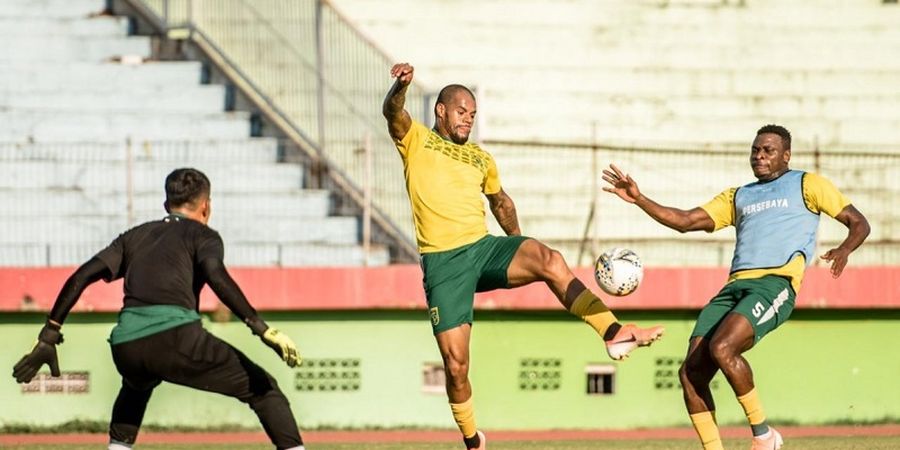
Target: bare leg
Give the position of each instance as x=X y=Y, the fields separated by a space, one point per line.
x=454 y=347
x=734 y=337
x=535 y=261
x=696 y=372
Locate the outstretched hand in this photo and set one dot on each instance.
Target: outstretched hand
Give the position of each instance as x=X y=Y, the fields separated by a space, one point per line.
x=622 y=184
x=43 y=352
x=403 y=72
x=838 y=258
x=283 y=345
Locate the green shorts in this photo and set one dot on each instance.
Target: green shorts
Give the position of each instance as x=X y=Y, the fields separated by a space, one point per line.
x=766 y=302
x=452 y=278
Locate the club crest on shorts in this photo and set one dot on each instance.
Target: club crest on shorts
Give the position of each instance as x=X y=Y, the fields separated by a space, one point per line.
x=435 y=316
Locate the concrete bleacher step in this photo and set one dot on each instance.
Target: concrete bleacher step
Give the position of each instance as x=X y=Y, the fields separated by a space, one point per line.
x=214 y=151
x=101 y=26
x=642 y=81
x=237 y=254
x=78 y=75
x=193 y=99
x=603 y=107
x=65 y=49
x=63 y=9
x=303 y=255
x=51 y=126
x=79 y=228
x=146 y=205
x=884 y=132
x=329 y=230
x=867 y=57
x=147 y=177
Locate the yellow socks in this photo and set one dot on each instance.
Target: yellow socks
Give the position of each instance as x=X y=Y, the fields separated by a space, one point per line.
x=592 y=310
x=705 y=424
x=464 y=414
x=754 y=412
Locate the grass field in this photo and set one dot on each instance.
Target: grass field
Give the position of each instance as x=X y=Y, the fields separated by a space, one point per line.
x=819 y=443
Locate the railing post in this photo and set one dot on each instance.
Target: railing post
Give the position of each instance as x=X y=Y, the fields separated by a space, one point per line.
x=367 y=199
x=817 y=168
x=320 y=73
x=129 y=182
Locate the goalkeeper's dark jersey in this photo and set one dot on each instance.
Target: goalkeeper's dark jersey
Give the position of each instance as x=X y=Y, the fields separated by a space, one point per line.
x=160 y=261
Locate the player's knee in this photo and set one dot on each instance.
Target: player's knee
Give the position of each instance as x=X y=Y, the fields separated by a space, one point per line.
x=457 y=372
x=690 y=375
x=722 y=351
x=684 y=374
x=553 y=264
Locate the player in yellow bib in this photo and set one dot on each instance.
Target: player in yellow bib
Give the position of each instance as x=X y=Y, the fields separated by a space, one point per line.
x=776 y=219
x=446 y=177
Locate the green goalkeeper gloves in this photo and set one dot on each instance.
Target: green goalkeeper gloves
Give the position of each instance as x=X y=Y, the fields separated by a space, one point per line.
x=278 y=341
x=43 y=352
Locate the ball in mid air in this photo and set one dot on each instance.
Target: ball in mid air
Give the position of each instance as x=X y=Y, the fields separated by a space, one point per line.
x=618 y=271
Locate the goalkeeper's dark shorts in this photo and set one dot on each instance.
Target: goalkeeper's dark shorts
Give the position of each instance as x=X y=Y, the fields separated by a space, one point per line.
x=190 y=356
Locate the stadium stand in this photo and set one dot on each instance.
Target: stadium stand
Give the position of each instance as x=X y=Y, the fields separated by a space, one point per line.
x=636 y=78
x=90 y=124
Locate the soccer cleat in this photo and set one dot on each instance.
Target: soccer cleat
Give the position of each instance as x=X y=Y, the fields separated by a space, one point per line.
x=630 y=337
x=769 y=441
x=482 y=441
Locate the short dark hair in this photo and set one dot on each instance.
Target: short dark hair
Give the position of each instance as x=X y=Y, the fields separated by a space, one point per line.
x=780 y=131
x=185 y=185
x=449 y=91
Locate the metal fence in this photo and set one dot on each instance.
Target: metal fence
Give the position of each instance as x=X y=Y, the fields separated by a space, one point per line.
x=556 y=188
x=63 y=202
x=320 y=72
x=83 y=195
x=325 y=76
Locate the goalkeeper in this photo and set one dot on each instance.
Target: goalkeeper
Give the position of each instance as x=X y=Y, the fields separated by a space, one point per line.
x=159 y=337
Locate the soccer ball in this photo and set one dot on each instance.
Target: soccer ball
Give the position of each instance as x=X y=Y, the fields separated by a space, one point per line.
x=618 y=271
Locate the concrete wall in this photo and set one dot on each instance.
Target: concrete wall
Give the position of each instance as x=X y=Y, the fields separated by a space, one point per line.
x=821 y=367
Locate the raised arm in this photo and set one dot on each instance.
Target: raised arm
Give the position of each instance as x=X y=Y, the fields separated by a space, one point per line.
x=398 y=119
x=857 y=231
x=503 y=208
x=680 y=220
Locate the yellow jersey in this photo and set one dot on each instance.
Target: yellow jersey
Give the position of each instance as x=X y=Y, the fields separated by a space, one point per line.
x=445 y=182
x=819 y=195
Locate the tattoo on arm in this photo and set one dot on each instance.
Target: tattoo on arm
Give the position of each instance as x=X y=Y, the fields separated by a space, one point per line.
x=398 y=119
x=504 y=211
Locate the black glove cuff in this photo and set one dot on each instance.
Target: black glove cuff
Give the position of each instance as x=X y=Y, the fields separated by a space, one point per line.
x=257 y=325
x=50 y=335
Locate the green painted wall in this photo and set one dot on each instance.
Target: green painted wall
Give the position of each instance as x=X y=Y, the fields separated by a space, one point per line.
x=822 y=367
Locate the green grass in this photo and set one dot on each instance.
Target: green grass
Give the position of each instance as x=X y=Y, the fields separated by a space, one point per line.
x=818 y=443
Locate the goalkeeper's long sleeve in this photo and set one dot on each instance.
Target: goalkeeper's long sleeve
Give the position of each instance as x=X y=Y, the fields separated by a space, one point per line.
x=89 y=273
x=227 y=289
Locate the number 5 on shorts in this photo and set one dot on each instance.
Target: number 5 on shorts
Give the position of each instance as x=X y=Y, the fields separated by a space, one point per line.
x=758 y=309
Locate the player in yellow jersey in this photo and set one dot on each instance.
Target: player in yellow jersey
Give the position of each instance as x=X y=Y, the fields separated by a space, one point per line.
x=776 y=220
x=445 y=177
